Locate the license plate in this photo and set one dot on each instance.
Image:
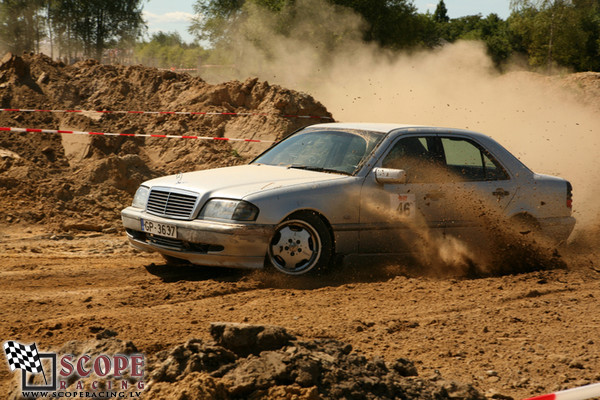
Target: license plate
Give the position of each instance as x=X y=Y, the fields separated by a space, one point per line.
x=158 y=228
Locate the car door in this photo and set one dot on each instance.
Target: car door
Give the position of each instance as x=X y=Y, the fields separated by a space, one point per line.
x=393 y=217
x=480 y=192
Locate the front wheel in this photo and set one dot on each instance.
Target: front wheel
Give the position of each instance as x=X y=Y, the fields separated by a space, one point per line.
x=300 y=244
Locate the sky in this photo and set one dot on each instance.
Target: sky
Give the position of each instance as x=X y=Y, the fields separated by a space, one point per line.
x=174 y=15
x=460 y=8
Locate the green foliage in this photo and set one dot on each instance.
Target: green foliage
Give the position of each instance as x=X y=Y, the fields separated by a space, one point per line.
x=214 y=18
x=549 y=32
x=168 y=50
x=390 y=23
x=429 y=34
x=558 y=32
x=259 y=31
x=492 y=30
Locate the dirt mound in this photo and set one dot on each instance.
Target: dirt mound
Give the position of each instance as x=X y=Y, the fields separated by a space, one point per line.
x=582 y=87
x=254 y=361
x=48 y=178
x=586 y=85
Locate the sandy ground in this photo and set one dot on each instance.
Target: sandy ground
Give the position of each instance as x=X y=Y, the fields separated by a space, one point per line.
x=516 y=335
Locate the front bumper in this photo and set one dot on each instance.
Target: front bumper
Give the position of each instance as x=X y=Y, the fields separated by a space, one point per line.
x=209 y=243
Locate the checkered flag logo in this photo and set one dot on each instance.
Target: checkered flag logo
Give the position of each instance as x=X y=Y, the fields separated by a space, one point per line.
x=24 y=357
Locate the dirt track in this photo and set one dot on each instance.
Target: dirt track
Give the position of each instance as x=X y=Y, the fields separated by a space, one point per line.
x=515 y=335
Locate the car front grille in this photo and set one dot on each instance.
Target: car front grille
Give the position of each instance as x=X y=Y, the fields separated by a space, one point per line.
x=171 y=204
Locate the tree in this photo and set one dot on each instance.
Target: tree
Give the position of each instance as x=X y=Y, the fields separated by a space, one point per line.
x=22 y=25
x=391 y=23
x=589 y=15
x=467 y=27
x=99 y=24
x=81 y=26
x=557 y=32
x=441 y=13
x=214 y=18
x=492 y=30
x=76 y=25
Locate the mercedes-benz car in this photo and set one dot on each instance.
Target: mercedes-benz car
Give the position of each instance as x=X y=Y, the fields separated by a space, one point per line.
x=344 y=188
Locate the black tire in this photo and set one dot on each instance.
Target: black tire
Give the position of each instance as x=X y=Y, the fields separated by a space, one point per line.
x=301 y=244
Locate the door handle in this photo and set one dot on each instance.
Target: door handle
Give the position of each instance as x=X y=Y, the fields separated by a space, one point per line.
x=500 y=193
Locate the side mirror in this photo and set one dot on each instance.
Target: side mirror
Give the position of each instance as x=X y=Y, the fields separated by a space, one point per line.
x=390 y=175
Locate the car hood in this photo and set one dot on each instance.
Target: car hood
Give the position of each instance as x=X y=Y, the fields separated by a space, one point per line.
x=241 y=181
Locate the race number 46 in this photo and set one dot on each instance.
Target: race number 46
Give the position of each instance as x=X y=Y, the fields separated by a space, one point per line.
x=404 y=205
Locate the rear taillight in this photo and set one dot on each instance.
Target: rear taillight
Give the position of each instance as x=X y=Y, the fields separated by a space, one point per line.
x=569 y=195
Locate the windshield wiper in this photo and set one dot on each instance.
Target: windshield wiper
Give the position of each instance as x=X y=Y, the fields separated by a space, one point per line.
x=318 y=169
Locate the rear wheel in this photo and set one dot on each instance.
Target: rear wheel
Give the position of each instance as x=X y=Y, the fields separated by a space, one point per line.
x=300 y=244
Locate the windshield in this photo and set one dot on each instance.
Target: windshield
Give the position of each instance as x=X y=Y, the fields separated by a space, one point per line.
x=338 y=151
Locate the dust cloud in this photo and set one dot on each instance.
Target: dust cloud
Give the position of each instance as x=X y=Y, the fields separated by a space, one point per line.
x=541 y=122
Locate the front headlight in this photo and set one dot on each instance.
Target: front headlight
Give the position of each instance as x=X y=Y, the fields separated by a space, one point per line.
x=237 y=210
x=141 y=197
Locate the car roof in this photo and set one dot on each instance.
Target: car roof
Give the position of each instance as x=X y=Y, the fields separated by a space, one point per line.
x=386 y=128
x=365 y=126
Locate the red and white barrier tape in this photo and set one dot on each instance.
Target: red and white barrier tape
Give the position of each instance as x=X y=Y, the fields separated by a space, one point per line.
x=177 y=69
x=578 y=393
x=23 y=130
x=198 y=69
x=162 y=113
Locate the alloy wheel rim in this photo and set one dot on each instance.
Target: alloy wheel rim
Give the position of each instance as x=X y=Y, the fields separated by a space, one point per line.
x=295 y=247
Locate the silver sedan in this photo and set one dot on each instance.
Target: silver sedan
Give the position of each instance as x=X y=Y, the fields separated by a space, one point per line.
x=339 y=189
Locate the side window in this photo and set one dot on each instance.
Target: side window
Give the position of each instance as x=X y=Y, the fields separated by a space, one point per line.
x=468 y=162
x=416 y=156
